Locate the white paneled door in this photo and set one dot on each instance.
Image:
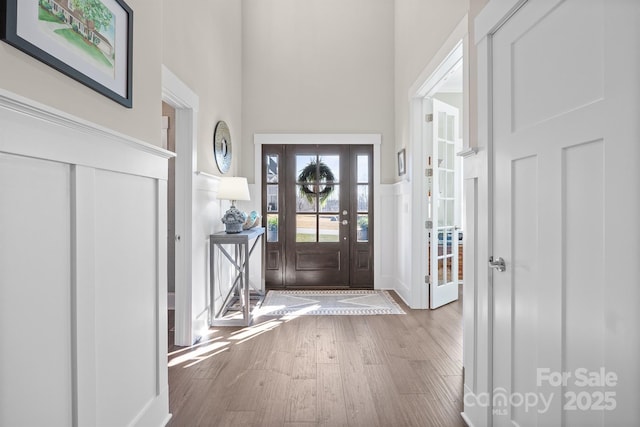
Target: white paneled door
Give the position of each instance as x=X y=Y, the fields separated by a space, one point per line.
x=566 y=203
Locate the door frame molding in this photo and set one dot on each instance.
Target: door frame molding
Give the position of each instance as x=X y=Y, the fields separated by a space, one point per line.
x=373 y=139
x=454 y=49
x=478 y=171
x=187 y=104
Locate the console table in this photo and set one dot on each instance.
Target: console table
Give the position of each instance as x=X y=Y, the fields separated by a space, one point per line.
x=239 y=296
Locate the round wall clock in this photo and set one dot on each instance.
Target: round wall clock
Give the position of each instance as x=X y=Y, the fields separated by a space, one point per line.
x=222 y=146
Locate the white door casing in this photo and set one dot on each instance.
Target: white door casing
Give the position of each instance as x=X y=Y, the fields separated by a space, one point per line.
x=565 y=206
x=186 y=103
x=455 y=50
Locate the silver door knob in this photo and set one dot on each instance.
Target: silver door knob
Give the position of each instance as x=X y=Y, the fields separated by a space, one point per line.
x=345 y=222
x=498 y=264
x=177 y=237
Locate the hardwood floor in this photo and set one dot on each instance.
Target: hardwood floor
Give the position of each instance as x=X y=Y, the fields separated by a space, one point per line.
x=387 y=371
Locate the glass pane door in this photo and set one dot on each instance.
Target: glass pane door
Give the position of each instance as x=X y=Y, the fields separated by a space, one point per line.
x=443 y=207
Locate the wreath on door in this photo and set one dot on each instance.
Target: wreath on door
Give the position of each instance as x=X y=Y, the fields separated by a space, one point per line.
x=312 y=177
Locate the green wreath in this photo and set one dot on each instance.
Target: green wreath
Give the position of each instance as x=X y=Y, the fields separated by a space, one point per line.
x=310 y=181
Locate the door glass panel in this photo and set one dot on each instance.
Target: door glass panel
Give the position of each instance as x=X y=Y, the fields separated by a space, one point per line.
x=451 y=156
x=305 y=163
x=442 y=153
x=363 y=198
x=442 y=184
x=306 y=228
x=442 y=211
x=331 y=202
x=272 y=198
x=305 y=198
x=449 y=264
x=272 y=227
x=329 y=168
x=329 y=228
x=442 y=123
x=450 y=211
x=272 y=168
x=442 y=274
x=450 y=184
x=362 y=168
x=363 y=228
x=451 y=120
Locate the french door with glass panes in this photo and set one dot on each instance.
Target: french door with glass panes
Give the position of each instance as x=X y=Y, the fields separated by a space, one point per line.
x=318 y=216
x=444 y=211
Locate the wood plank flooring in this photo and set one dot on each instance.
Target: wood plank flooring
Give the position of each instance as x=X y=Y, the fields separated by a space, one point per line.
x=386 y=371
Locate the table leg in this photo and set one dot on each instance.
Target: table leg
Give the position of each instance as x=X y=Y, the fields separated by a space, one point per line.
x=247 y=287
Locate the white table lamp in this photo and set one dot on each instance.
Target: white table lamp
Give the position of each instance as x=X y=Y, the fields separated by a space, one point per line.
x=234 y=189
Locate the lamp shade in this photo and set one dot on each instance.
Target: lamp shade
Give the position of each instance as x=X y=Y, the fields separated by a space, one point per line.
x=233 y=188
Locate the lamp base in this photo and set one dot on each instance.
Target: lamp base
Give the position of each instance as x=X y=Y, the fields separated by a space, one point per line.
x=233 y=220
x=233 y=228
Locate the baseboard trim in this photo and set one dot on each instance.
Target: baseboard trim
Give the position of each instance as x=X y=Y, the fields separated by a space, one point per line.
x=466 y=419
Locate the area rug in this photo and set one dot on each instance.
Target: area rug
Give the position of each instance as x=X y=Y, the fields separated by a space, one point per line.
x=337 y=303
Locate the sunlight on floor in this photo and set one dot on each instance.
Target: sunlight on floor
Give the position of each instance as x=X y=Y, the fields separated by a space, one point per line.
x=207 y=348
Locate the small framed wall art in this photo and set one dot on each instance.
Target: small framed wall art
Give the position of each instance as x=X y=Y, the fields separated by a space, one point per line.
x=88 y=40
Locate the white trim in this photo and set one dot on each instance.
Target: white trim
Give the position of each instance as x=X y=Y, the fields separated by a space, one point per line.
x=466 y=419
x=207 y=175
x=478 y=167
x=176 y=93
x=318 y=138
x=374 y=139
x=434 y=71
x=126 y=155
x=467 y=153
x=83 y=301
x=494 y=14
x=186 y=102
x=36 y=110
x=454 y=50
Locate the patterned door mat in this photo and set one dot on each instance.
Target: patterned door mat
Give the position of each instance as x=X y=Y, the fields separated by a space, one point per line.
x=338 y=303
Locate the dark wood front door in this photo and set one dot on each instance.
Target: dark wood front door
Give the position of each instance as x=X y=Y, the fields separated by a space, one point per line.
x=319 y=197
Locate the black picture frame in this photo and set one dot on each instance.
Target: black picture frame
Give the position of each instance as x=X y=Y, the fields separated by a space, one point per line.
x=57 y=33
x=402 y=162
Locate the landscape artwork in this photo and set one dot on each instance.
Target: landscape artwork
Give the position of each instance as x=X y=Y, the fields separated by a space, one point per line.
x=88 y=40
x=86 y=27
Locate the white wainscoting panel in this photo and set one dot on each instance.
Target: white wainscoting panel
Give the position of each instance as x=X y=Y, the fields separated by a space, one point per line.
x=402 y=254
x=206 y=221
x=387 y=236
x=82 y=273
x=35 y=292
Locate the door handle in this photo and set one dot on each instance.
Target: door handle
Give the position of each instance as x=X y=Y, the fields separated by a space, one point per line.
x=345 y=222
x=177 y=237
x=498 y=264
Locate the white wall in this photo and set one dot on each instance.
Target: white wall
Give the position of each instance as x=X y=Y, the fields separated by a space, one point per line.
x=318 y=66
x=421 y=28
x=82 y=272
x=202 y=49
x=201 y=45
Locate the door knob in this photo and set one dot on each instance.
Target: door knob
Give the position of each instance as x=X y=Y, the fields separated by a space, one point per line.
x=498 y=264
x=345 y=222
x=177 y=237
